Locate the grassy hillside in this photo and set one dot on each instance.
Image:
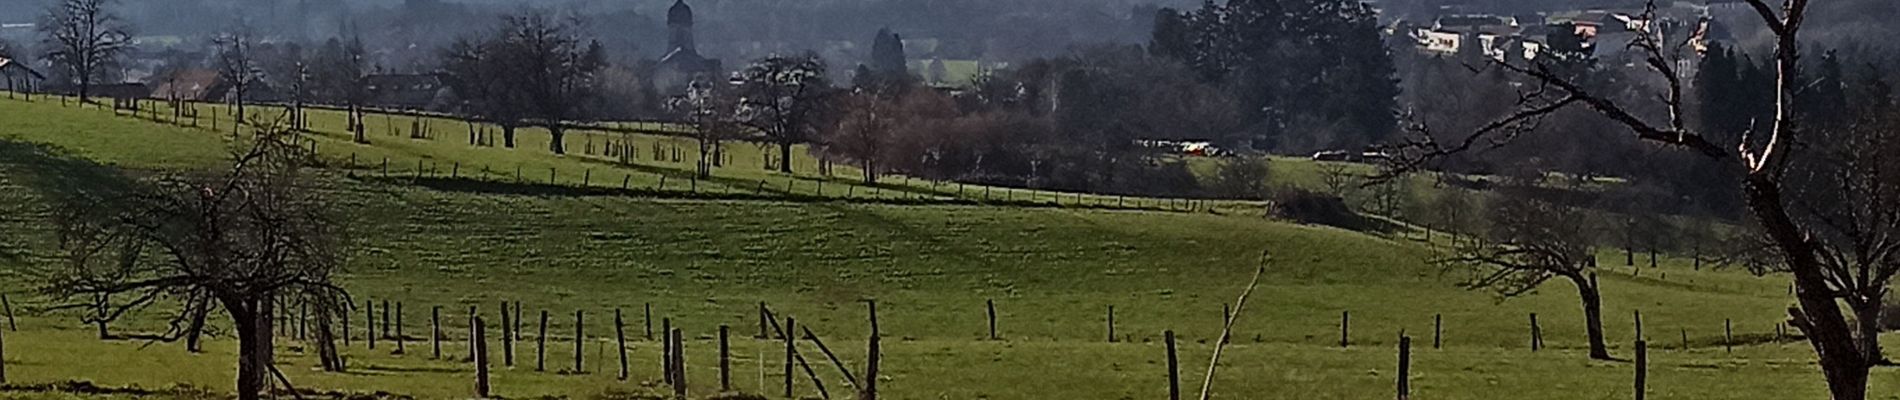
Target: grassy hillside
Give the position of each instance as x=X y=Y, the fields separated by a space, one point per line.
x=1051 y=271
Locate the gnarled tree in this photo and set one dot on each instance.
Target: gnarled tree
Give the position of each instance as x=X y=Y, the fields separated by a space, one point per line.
x=784 y=98
x=84 y=38
x=1842 y=253
x=248 y=240
x=1527 y=242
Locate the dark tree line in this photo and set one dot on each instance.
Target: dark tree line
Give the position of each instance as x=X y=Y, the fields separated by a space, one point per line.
x=1313 y=74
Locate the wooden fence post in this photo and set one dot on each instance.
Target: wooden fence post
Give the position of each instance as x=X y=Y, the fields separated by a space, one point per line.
x=507 y=337
x=666 y=350
x=541 y=344
x=1728 y=335
x=1639 y=323
x=1642 y=369
x=679 y=364
x=369 y=322
x=991 y=306
x=481 y=359
x=3 y=358
x=1111 y=324
x=1405 y=367
x=1226 y=316
x=725 y=360
x=1345 y=329
x=471 y=332
x=648 y=319
x=385 y=327
x=400 y=342
x=620 y=338
x=1537 y=334
x=9 y=308
x=580 y=339
x=876 y=354
x=1174 y=367
x=1438 y=325
x=872 y=304
x=1685 y=338
x=435 y=331
x=790 y=352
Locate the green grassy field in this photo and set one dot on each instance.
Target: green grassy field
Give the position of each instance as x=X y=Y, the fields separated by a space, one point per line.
x=1052 y=271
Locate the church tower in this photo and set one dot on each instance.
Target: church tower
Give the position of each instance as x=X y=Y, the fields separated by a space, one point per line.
x=679 y=25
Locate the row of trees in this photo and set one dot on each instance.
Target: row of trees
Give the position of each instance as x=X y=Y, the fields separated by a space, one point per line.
x=533 y=69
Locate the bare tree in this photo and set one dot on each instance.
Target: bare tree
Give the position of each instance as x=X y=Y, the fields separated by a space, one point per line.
x=337 y=75
x=712 y=114
x=784 y=98
x=1841 y=268
x=237 y=65
x=84 y=38
x=533 y=66
x=868 y=124
x=249 y=239
x=1530 y=241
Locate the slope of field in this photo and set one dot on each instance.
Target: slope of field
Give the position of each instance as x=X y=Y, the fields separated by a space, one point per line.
x=1052 y=273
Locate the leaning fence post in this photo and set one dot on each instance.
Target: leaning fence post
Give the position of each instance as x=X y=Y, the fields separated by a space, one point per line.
x=1174 y=367
x=1728 y=335
x=872 y=305
x=1405 y=367
x=991 y=305
x=620 y=338
x=1226 y=316
x=9 y=308
x=869 y=391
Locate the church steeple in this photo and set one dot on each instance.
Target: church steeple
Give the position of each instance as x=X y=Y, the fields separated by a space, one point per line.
x=679 y=24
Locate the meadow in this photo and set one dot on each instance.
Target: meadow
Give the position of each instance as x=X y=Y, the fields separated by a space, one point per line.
x=931 y=261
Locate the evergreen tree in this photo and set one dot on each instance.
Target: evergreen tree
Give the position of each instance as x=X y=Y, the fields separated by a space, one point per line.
x=1170 y=39
x=887 y=54
x=1313 y=73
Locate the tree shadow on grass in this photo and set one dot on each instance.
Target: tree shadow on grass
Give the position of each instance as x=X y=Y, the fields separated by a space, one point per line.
x=59 y=177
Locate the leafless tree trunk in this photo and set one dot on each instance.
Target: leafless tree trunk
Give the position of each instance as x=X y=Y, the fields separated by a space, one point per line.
x=1835 y=262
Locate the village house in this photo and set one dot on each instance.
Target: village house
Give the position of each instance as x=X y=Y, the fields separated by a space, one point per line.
x=18 y=76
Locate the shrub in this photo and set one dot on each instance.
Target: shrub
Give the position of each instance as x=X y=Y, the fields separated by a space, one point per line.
x=1309 y=207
